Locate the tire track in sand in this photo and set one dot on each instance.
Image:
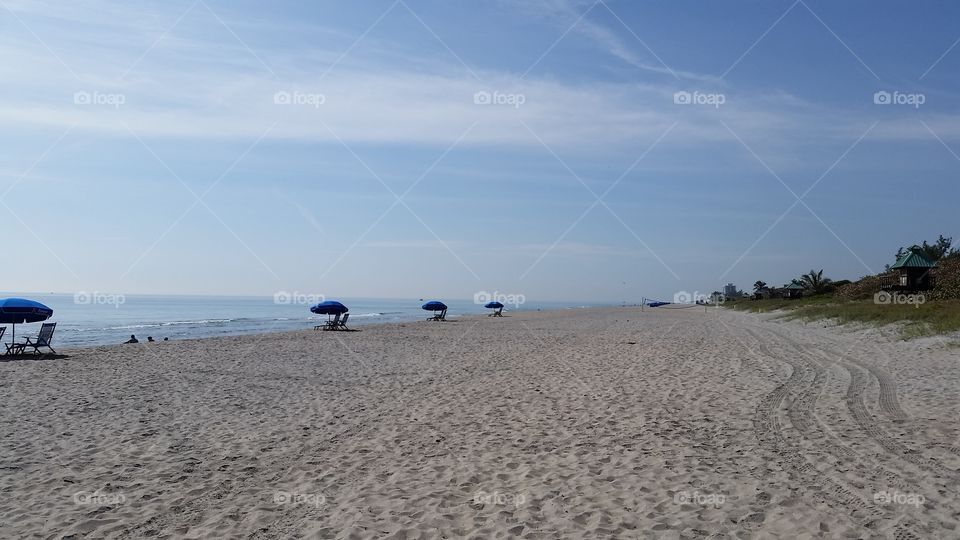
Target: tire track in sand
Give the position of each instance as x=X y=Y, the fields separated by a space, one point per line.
x=770 y=434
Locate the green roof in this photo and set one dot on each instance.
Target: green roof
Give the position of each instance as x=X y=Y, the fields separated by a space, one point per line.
x=795 y=287
x=913 y=259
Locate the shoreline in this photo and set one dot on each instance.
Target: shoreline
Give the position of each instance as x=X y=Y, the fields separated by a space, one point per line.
x=308 y=326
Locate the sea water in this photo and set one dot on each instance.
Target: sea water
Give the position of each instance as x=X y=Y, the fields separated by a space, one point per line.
x=87 y=321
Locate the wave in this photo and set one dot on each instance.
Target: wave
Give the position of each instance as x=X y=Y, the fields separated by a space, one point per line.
x=201 y=321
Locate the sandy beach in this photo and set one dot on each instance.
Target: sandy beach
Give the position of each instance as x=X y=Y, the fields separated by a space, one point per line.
x=609 y=423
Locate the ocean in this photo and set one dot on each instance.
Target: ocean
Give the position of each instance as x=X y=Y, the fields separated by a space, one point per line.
x=85 y=320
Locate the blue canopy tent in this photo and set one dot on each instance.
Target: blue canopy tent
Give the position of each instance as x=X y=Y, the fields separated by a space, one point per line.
x=438 y=308
x=496 y=306
x=20 y=310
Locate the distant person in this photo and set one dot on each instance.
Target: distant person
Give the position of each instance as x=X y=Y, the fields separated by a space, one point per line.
x=150 y=339
x=133 y=339
x=166 y=339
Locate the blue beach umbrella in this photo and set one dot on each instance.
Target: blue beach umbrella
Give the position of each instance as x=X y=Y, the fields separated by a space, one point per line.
x=20 y=310
x=497 y=308
x=434 y=305
x=330 y=307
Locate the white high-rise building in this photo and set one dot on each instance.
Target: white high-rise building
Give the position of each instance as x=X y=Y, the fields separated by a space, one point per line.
x=730 y=290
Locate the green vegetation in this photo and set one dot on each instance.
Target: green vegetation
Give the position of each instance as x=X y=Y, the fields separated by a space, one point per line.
x=927 y=319
x=936 y=312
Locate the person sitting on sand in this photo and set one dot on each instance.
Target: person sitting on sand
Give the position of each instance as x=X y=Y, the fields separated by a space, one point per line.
x=133 y=339
x=149 y=339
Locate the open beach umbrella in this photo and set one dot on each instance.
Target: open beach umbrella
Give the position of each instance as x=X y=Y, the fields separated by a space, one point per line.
x=330 y=307
x=438 y=308
x=20 y=310
x=434 y=305
x=497 y=306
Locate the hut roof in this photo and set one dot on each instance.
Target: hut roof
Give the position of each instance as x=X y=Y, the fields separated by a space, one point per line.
x=795 y=287
x=913 y=259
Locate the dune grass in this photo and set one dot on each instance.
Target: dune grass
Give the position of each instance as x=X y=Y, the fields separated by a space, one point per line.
x=927 y=319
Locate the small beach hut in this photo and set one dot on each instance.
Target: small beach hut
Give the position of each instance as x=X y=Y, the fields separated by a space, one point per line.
x=793 y=291
x=913 y=271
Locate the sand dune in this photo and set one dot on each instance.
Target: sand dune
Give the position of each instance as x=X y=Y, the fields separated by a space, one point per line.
x=570 y=424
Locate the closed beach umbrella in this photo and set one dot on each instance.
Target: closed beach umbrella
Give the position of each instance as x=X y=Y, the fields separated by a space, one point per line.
x=330 y=307
x=20 y=310
x=434 y=305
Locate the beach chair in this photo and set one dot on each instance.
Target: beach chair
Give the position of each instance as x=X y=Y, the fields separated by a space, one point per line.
x=442 y=316
x=3 y=330
x=326 y=324
x=497 y=313
x=330 y=325
x=43 y=340
x=342 y=325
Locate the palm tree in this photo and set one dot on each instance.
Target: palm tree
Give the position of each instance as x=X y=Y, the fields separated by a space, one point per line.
x=759 y=286
x=815 y=281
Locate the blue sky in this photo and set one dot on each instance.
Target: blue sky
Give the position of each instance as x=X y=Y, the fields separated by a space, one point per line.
x=346 y=148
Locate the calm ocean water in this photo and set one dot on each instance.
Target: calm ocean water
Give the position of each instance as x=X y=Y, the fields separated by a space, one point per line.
x=88 y=321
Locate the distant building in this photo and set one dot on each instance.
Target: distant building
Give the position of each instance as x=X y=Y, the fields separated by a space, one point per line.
x=913 y=271
x=793 y=291
x=730 y=290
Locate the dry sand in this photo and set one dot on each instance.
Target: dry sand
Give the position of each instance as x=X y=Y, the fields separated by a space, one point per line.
x=569 y=424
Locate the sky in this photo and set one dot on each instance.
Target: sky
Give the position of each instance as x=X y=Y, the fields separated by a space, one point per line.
x=560 y=149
